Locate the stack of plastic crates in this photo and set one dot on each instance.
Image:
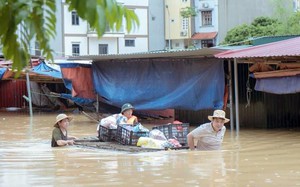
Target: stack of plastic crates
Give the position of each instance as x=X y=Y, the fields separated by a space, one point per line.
x=177 y=131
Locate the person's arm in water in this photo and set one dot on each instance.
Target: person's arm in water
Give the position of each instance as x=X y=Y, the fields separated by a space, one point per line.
x=65 y=142
x=190 y=139
x=72 y=137
x=195 y=134
x=57 y=136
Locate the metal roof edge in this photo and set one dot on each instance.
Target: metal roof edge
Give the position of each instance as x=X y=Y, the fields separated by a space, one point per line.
x=188 y=53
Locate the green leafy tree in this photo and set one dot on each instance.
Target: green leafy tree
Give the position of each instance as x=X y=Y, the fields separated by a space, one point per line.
x=35 y=19
x=283 y=22
x=261 y=26
x=264 y=26
x=293 y=25
x=238 y=34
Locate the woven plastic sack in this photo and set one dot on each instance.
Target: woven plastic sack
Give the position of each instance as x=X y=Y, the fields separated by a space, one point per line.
x=157 y=135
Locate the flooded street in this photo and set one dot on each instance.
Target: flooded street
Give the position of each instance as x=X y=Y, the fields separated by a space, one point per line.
x=255 y=158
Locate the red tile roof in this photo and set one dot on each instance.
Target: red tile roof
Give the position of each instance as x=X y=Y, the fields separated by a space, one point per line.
x=204 y=35
x=289 y=47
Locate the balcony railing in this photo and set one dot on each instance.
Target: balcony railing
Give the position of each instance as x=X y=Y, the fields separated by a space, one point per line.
x=107 y=30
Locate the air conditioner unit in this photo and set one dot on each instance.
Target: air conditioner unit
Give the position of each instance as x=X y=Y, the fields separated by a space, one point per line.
x=205 y=5
x=183 y=33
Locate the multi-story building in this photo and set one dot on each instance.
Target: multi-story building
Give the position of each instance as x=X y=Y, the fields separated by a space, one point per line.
x=206 y=23
x=156 y=29
x=178 y=29
x=213 y=19
x=161 y=26
x=80 y=39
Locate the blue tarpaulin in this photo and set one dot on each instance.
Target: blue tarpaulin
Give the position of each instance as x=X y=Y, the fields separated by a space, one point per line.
x=182 y=84
x=2 y=71
x=44 y=69
x=279 y=85
x=78 y=100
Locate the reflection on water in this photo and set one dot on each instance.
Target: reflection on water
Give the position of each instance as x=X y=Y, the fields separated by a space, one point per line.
x=254 y=158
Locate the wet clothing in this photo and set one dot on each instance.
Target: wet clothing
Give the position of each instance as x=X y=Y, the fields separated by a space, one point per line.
x=208 y=139
x=57 y=134
x=121 y=119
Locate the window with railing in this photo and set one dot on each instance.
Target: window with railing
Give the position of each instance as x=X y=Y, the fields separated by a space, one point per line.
x=107 y=29
x=206 y=18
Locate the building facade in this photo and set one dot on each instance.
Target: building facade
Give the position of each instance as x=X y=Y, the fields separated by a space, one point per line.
x=178 y=29
x=206 y=23
x=213 y=19
x=80 y=39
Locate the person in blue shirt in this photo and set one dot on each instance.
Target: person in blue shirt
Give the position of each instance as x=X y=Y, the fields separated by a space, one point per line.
x=126 y=117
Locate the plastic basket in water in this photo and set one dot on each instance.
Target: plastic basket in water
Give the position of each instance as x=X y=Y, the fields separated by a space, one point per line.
x=178 y=131
x=128 y=137
x=106 y=134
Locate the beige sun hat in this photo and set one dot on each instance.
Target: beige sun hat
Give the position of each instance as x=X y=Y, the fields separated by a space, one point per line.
x=218 y=114
x=60 y=117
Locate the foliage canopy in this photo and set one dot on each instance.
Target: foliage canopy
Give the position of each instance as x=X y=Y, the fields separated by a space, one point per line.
x=263 y=26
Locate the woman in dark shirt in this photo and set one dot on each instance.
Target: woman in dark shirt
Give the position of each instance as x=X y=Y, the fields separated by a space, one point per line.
x=59 y=134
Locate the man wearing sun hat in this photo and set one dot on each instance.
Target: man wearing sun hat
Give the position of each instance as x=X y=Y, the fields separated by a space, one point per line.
x=60 y=135
x=210 y=135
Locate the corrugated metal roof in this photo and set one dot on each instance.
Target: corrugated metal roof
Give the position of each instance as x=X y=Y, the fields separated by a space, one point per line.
x=285 y=48
x=268 y=39
x=188 y=53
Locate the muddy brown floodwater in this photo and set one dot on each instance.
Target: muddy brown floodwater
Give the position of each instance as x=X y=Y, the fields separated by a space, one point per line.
x=254 y=158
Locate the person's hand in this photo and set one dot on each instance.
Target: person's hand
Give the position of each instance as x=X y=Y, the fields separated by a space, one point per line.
x=70 y=142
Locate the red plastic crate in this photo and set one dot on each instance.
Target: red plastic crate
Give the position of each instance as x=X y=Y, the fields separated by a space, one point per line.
x=177 y=131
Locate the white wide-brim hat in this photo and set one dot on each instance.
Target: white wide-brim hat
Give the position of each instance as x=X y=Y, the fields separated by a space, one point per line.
x=60 y=117
x=218 y=114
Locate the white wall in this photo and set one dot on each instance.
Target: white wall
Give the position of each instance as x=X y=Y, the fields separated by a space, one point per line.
x=80 y=40
x=180 y=44
x=73 y=29
x=142 y=14
x=212 y=5
x=139 y=45
x=156 y=30
x=89 y=45
x=134 y=2
x=94 y=45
